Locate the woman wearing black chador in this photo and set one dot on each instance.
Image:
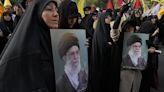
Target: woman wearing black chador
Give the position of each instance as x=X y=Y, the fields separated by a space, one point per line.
x=68 y=13
x=26 y=63
x=6 y=19
x=106 y=53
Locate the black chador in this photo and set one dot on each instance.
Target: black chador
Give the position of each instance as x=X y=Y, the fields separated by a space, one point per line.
x=105 y=65
x=150 y=74
x=26 y=64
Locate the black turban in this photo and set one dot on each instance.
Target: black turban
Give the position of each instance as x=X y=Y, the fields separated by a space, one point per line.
x=66 y=42
x=132 y=39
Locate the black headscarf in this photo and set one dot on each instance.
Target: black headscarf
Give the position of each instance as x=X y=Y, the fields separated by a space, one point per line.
x=127 y=23
x=68 y=9
x=103 y=27
x=136 y=19
x=89 y=25
x=26 y=64
x=8 y=24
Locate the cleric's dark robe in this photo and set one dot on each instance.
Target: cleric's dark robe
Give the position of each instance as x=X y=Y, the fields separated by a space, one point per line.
x=26 y=64
x=63 y=84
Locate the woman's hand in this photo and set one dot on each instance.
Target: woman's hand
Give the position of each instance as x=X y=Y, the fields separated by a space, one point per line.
x=87 y=43
x=151 y=50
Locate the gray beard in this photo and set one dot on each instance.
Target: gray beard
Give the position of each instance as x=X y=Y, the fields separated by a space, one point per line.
x=73 y=70
x=72 y=73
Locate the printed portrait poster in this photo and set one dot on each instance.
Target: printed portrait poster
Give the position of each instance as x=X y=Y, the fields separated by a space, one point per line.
x=70 y=59
x=135 y=51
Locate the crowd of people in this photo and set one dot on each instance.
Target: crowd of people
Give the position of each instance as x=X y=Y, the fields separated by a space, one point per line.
x=26 y=60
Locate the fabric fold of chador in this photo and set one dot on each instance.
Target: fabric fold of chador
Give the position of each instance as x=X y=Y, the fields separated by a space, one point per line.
x=26 y=64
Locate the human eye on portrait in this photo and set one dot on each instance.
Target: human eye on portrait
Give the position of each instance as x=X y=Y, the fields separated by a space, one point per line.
x=77 y=52
x=137 y=46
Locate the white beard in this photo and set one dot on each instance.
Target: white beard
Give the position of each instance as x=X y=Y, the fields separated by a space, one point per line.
x=134 y=56
x=72 y=69
x=72 y=73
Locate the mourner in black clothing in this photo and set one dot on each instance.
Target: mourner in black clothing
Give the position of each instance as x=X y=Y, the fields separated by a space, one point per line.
x=150 y=26
x=89 y=24
x=4 y=33
x=87 y=11
x=6 y=28
x=137 y=17
x=105 y=65
x=68 y=13
x=90 y=31
x=6 y=19
x=150 y=74
x=161 y=28
x=19 y=10
x=26 y=64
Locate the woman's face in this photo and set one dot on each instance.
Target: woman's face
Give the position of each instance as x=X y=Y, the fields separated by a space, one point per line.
x=130 y=29
x=72 y=21
x=7 y=17
x=50 y=15
x=108 y=19
x=94 y=17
